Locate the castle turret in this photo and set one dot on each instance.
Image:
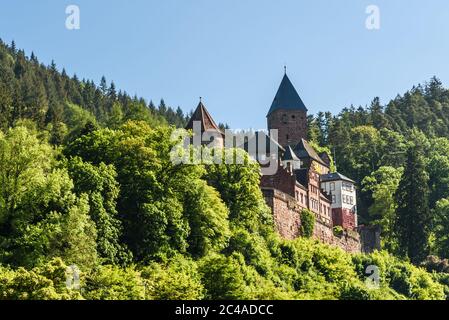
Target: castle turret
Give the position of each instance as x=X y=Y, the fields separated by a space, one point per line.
x=288 y=115
x=204 y=128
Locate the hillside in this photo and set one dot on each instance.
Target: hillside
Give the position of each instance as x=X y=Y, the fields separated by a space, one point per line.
x=86 y=179
x=29 y=89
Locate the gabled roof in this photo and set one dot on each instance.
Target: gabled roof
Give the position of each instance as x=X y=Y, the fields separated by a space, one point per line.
x=290 y=155
x=304 y=150
x=268 y=139
x=287 y=98
x=301 y=176
x=335 y=177
x=202 y=115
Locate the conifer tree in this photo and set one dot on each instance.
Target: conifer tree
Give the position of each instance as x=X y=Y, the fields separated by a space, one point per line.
x=412 y=225
x=103 y=85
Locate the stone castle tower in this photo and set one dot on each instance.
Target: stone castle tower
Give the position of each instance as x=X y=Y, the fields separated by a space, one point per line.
x=288 y=115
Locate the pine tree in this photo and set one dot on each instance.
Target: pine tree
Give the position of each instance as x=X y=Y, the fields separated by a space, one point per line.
x=112 y=94
x=53 y=68
x=103 y=85
x=13 y=47
x=413 y=219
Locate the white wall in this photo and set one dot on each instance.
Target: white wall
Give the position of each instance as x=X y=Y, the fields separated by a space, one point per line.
x=343 y=198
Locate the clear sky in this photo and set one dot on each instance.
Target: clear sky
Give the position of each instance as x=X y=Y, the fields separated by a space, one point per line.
x=232 y=52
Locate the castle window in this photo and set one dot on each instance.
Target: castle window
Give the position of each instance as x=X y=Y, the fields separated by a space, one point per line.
x=334 y=199
x=293 y=117
x=288 y=137
x=302 y=198
x=284 y=119
x=332 y=186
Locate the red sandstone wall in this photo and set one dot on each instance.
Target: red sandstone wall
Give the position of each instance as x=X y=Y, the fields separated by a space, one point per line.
x=343 y=217
x=349 y=242
x=286 y=213
x=287 y=218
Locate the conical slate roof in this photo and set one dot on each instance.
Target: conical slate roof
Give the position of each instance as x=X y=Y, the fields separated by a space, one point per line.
x=202 y=115
x=287 y=97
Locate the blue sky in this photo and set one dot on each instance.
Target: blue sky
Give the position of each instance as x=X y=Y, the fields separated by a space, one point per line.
x=232 y=52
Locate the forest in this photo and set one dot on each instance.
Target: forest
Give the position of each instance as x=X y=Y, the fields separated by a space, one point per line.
x=86 y=180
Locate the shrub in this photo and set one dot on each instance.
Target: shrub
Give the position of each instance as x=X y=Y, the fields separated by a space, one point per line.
x=338 y=231
x=253 y=248
x=114 y=283
x=44 y=283
x=307 y=223
x=176 y=280
x=222 y=277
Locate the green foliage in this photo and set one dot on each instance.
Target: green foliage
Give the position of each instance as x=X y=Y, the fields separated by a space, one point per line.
x=152 y=188
x=114 y=283
x=99 y=185
x=338 y=231
x=307 y=223
x=178 y=279
x=40 y=216
x=77 y=118
x=238 y=186
x=253 y=247
x=78 y=236
x=404 y=278
x=63 y=104
x=208 y=219
x=222 y=277
x=44 y=283
x=382 y=185
x=441 y=216
x=320 y=149
x=413 y=220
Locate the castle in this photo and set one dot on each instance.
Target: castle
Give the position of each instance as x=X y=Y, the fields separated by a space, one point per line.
x=303 y=179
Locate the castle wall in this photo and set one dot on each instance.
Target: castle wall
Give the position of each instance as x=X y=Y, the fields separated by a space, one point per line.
x=287 y=219
x=344 y=217
x=286 y=213
x=348 y=241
